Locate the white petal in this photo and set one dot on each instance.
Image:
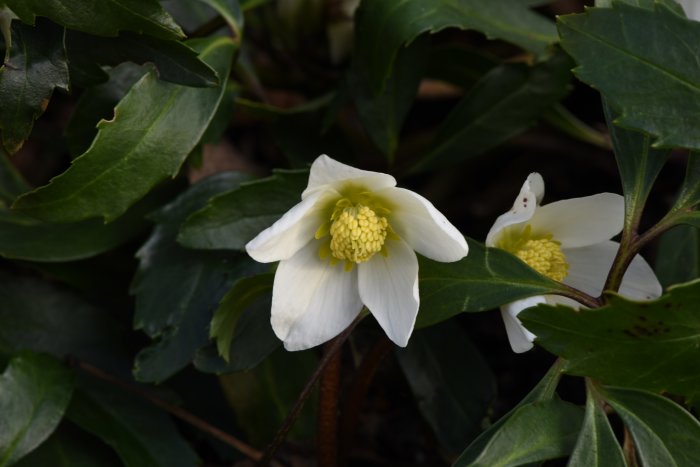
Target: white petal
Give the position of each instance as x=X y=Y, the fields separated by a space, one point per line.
x=589 y=266
x=292 y=231
x=389 y=288
x=581 y=222
x=640 y=282
x=523 y=208
x=416 y=221
x=312 y=301
x=327 y=171
x=520 y=338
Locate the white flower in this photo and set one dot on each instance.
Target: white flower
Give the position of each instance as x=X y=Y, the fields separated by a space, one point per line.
x=349 y=242
x=568 y=241
x=691 y=8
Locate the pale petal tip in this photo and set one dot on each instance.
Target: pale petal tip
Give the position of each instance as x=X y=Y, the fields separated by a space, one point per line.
x=535 y=184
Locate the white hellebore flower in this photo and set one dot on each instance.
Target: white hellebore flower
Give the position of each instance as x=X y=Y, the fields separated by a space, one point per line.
x=349 y=242
x=692 y=8
x=568 y=241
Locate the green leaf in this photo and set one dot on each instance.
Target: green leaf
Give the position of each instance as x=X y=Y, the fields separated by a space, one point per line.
x=652 y=345
x=97 y=103
x=232 y=219
x=121 y=166
x=684 y=209
x=503 y=103
x=175 y=62
x=649 y=82
x=451 y=382
x=544 y=391
x=37 y=66
x=485 y=279
x=142 y=435
x=596 y=445
x=534 y=432
x=69 y=446
x=394 y=23
x=382 y=115
x=179 y=317
x=43 y=317
x=231 y=11
x=243 y=293
x=24 y=237
x=639 y=165
x=35 y=390
x=663 y=432
x=261 y=398
x=101 y=17
x=678 y=255
x=11 y=182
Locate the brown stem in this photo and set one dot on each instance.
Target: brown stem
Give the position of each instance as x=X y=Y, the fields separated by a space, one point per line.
x=335 y=346
x=629 y=450
x=327 y=429
x=357 y=394
x=178 y=412
x=580 y=296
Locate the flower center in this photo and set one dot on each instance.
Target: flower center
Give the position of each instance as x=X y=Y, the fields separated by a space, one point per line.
x=544 y=255
x=357 y=233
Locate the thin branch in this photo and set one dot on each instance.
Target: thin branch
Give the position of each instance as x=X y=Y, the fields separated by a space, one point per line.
x=327 y=426
x=281 y=434
x=178 y=412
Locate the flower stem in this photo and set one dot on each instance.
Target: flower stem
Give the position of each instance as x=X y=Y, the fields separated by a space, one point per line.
x=327 y=425
x=178 y=412
x=580 y=296
x=281 y=434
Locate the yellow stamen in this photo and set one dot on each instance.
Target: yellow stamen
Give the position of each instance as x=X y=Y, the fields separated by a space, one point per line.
x=542 y=254
x=357 y=233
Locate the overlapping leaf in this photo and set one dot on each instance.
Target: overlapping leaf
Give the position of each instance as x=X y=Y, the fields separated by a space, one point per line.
x=678 y=255
x=232 y=219
x=486 y=278
x=155 y=127
x=641 y=59
x=35 y=390
x=394 y=23
x=101 y=17
x=176 y=289
x=651 y=345
x=37 y=65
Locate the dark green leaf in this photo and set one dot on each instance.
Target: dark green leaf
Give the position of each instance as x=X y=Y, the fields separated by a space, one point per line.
x=639 y=165
x=485 y=279
x=232 y=219
x=262 y=397
x=37 y=66
x=43 y=317
x=596 y=445
x=663 y=432
x=243 y=293
x=652 y=345
x=678 y=255
x=534 y=432
x=394 y=23
x=649 y=82
x=503 y=103
x=452 y=383
x=101 y=17
x=121 y=166
x=252 y=341
x=69 y=446
x=188 y=14
x=544 y=391
x=174 y=61
x=35 y=390
x=11 y=182
x=684 y=210
x=97 y=103
x=383 y=115
x=230 y=10
x=459 y=64
x=177 y=289
x=142 y=435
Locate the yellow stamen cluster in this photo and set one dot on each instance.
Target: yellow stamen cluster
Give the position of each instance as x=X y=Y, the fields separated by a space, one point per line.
x=542 y=254
x=357 y=233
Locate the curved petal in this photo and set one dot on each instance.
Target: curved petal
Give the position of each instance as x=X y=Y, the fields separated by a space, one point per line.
x=423 y=227
x=589 y=266
x=523 y=208
x=389 y=288
x=520 y=339
x=312 y=301
x=640 y=282
x=579 y=222
x=292 y=231
x=327 y=171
